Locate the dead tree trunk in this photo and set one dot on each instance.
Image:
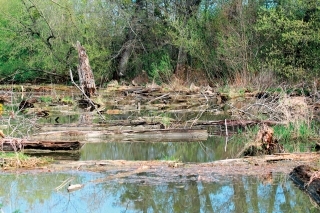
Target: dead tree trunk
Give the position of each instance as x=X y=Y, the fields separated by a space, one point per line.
x=86 y=77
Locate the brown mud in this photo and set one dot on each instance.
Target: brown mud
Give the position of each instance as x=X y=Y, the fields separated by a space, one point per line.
x=174 y=171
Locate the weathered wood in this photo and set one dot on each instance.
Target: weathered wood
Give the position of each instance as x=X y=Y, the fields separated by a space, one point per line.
x=308 y=179
x=149 y=123
x=237 y=122
x=85 y=73
x=151 y=135
x=17 y=144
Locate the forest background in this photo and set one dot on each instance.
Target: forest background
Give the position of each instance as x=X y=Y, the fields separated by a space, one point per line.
x=244 y=41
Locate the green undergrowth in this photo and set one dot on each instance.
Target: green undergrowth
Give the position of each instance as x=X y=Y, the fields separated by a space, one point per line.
x=46 y=99
x=9 y=160
x=170 y=158
x=295 y=137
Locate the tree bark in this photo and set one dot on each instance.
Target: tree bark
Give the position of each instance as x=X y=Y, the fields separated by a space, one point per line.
x=135 y=27
x=125 y=56
x=17 y=144
x=85 y=73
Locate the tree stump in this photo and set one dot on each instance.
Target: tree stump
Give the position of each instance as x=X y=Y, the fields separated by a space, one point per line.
x=264 y=144
x=85 y=73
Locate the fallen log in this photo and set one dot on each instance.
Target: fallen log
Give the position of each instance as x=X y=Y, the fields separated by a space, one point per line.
x=308 y=179
x=156 y=135
x=150 y=121
x=17 y=144
x=237 y=122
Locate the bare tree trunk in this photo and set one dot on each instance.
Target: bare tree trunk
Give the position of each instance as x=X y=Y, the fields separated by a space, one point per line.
x=86 y=77
x=134 y=29
x=124 y=59
x=182 y=59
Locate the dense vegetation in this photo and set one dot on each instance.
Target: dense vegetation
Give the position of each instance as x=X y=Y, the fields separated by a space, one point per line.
x=225 y=39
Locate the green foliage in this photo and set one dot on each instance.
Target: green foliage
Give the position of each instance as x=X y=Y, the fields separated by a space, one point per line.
x=223 y=38
x=67 y=100
x=291 y=41
x=165 y=120
x=46 y=99
x=296 y=137
x=170 y=158
x=161 y=69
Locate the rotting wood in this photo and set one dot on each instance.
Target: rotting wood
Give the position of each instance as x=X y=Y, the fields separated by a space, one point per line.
x=152 y=121
x=308 y=179
x=17 y=144
x=86 y=77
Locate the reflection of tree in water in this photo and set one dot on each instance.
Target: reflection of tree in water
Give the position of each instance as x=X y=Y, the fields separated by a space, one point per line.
x=35 y=193
x=243 y=194
x=186 y=152
x=29 y=190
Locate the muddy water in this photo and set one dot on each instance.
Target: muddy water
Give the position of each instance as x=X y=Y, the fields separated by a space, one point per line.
x=37 y=193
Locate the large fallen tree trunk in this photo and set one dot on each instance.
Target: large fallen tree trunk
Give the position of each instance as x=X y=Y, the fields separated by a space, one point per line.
x=308 y=179
x=17 y=144
x=150 y=135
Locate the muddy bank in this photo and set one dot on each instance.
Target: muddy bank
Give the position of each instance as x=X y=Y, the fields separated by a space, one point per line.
x=172 y=171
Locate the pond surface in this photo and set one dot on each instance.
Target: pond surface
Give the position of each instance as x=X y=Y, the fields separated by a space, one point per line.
x=37 y=193
x=202 y=151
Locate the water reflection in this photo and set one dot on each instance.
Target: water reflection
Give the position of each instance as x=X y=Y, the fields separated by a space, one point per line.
x=204 y=151
x=35 y=193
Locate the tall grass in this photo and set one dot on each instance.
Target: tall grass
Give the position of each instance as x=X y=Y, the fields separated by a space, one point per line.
x=297 y=137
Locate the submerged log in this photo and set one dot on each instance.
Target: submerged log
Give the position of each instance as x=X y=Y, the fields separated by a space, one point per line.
x=17 y=144
x=308 y=179
x=86 y=77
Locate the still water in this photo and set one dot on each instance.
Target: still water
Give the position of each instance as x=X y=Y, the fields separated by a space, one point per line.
x=203 y=151
x=37 y=193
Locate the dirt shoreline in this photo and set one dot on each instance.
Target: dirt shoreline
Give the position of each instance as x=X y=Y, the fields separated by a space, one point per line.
x=173 y=171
